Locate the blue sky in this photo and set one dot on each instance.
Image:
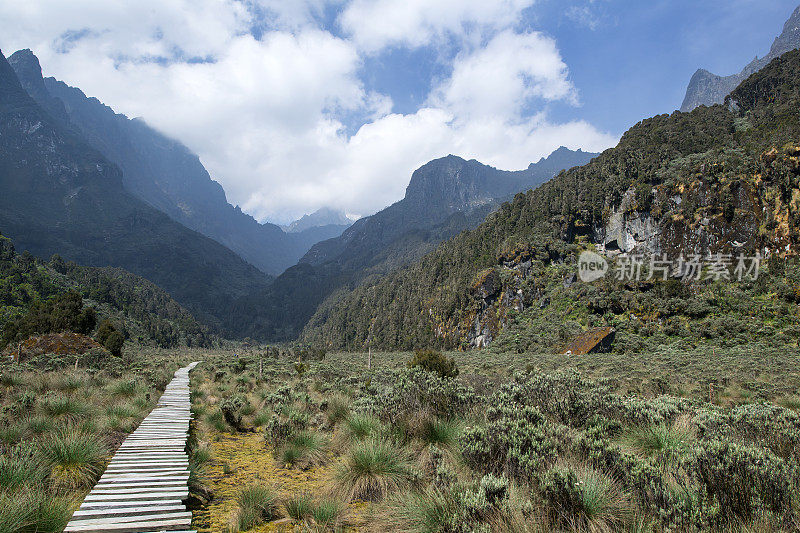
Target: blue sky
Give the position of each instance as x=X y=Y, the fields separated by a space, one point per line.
x=298 y=104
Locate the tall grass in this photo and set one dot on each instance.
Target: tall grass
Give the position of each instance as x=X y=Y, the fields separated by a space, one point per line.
x=256 y=504
x=371 y=469
x=74 y=459
x=33 y=511
x=305 y=449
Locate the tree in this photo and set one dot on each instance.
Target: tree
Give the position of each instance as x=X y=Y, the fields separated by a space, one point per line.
x=109 y=336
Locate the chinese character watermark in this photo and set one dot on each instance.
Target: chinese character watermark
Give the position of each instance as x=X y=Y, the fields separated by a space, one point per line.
x=695 y=267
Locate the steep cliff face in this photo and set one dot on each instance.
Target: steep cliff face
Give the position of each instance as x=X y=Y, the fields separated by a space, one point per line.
x=708 y=89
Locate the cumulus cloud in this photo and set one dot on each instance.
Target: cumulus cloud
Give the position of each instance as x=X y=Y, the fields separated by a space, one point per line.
x=270 y=112
x=375 y=24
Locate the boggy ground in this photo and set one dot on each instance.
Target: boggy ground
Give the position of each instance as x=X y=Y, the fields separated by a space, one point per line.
x=515 y=442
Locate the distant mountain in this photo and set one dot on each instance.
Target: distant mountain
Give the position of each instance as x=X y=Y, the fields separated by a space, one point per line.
x=318 y=219
x=718 y=180
x=164 y=173
x=707 y=89
x=444 y=197
x=61 y=196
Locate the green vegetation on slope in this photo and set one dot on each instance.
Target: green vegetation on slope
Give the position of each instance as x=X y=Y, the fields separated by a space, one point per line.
x=146 y=313
x=706 y=179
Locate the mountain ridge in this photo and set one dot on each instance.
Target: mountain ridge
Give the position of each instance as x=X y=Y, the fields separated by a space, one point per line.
x=164 y=173
x=444 y=197
x=723 y=179
x=706 y=88
x=61 y=196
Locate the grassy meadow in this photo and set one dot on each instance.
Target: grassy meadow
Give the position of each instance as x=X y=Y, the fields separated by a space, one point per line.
x=513 y=442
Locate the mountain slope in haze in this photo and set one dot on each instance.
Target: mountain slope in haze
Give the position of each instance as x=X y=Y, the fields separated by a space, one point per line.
x=320 y=218
x=61 y=196
x=164 y=173
x=707 y=89
x=720 y=179
x=444 y=197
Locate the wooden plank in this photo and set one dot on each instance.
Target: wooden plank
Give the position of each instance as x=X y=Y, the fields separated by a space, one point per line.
x=144 y=485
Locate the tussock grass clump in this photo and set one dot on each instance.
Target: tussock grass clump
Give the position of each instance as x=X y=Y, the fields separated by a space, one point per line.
x=661 y=439
x=262 y=418
x=19 y=469
x=33 y=512
x=357 y=427
x=256 y=504
x=323 y=515
x=299 y=507
x=216 y=420
x=65 y=407
x=371 y=469
x=74 y=458
x=338 y=409
x=584 y=498
x=443 y=433
x=39 y=425
x=304 y=450
x=124 y=389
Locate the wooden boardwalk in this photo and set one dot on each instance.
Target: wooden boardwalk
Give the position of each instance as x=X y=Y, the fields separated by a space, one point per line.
x=144 y=486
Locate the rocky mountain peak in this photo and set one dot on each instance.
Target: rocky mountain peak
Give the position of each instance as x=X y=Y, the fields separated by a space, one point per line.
x=706 y=88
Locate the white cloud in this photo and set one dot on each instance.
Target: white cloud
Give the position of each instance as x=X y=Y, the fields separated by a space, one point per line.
x=375 y=24
x=267 y=115
x=499 y=79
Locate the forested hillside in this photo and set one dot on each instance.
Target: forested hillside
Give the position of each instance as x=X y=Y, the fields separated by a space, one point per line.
x=721 y=179
x=444 y=197
x=145 y=313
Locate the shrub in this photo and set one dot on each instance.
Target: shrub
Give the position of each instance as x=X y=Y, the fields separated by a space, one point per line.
x=371 y=469
x=74 y=459
x=743 y=480
x=232 y=409
x=279 y=429
x=434 y=361
x=518 y=445
x=110 y=337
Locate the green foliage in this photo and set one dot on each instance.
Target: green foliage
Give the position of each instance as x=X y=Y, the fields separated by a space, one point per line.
x=64 y=312
x=33 y=511
x=27 y=284
x=434 y=361
x=111 y=337
x=74 y=459
x=586 y=499
x=741 y=179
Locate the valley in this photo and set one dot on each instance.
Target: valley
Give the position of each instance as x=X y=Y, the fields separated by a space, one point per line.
x=599 y=341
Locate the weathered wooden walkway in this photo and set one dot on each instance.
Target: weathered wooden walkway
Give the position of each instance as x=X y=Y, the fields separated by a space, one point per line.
x=143 y=488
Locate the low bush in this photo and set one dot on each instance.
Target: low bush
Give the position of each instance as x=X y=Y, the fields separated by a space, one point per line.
x=434 y=361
